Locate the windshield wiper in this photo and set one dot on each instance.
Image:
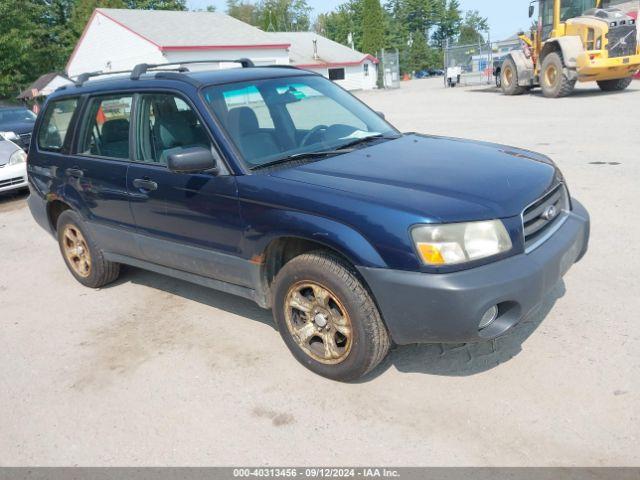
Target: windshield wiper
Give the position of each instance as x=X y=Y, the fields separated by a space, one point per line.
x=368 y=138
x=340 y=150
x=303 y=156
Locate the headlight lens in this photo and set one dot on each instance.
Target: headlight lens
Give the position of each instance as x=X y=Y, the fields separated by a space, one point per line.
x=11 y=136
x=457 y=243
x=17 y=157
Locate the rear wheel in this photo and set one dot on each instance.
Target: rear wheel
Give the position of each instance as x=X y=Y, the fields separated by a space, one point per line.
x=553 y=78
x=327 y=318
x=509 y=78
x=83 y=258
x=615 y=85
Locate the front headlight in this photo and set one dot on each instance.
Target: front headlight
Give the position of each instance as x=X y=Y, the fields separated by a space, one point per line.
x=17 y=157
x=457 y=243
x=11 y=136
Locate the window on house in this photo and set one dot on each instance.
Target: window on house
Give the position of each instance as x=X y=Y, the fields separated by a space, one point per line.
x=366 y=69
x=336 y=74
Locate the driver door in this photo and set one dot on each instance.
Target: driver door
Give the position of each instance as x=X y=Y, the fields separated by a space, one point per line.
x=185 y=221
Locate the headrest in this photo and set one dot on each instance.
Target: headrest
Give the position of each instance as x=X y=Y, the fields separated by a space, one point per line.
x=175 y=132
x=243 y=121
x=115 y=130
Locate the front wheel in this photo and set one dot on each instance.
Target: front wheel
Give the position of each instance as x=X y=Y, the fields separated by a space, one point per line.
x=615 y=85
x=327 y=318
x=553 y=78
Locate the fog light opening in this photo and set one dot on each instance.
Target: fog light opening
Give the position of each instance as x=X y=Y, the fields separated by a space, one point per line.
x=489 y=317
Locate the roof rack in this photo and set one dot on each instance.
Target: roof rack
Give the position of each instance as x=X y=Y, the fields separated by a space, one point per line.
x=83 y=77
x=143 y=68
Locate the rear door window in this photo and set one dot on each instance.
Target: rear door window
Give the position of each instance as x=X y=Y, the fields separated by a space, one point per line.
x=55 y=124
x=106 y=127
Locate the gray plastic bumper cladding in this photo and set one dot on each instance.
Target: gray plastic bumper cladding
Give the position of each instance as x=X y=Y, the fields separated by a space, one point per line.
x=447 y=308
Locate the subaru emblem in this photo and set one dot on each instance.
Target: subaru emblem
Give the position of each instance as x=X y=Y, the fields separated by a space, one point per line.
x=550 y=213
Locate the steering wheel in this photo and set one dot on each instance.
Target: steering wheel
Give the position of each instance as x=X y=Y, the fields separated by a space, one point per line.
x=320 y=129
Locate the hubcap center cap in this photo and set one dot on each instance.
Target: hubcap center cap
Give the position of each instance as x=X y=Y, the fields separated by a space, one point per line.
x=320 y=320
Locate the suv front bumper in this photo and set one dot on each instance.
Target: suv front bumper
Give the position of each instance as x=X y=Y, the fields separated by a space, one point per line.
x=447 y=308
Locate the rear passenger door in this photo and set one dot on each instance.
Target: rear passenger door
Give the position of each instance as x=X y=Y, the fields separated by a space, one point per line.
x=96 y=171
x=188 y=222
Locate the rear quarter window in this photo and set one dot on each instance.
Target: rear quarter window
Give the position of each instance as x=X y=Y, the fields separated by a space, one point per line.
x=55 y=124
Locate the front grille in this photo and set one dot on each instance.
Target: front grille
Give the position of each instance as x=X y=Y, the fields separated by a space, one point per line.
x=543 y=217
x=11 y=181
x=622 y=41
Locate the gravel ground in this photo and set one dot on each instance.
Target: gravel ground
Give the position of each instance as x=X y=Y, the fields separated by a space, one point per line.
x=155 y=371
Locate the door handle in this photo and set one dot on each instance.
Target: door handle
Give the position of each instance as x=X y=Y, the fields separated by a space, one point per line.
x=145 y=184
x=74 y=172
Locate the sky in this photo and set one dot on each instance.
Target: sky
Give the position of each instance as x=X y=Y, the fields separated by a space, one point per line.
x=506 y=17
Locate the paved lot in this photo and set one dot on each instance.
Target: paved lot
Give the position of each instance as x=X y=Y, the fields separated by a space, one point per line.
x=154 y=371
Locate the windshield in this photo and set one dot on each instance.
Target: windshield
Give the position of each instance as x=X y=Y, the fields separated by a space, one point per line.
x=16 y=115
x=575 y=8
x=279 y=118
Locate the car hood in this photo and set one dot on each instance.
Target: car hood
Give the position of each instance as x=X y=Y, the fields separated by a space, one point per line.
x=439 y=178
x=7 y=148
x=19 y=128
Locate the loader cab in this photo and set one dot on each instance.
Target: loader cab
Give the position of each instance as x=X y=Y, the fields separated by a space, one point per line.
x=554 y=13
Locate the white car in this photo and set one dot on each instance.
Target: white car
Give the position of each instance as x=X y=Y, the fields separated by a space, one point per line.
x=13 y=166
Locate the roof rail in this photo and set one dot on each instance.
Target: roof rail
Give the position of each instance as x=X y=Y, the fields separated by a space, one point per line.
x=83 y=77
x=143 y=68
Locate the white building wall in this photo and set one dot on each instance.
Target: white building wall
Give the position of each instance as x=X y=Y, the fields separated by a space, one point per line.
x=355 y=78
x=260 y=56
x=107 y=46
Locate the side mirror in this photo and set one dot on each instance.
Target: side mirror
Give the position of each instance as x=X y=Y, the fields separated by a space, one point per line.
x=532 y=10
x=381 y=115
x=192 y=160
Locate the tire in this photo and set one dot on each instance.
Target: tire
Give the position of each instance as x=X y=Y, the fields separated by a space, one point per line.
x=509 y=78
x=83 y=258
x=615 y=85
x=366 y=342
x=553 y=78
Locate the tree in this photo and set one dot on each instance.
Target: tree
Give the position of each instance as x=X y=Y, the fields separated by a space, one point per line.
x=157 y=4
x=372 y=27
x=28 y=43
x=272 y=15
x=82 y=11
x=418 y=52
x=284 y=15
x=448 y=21
x=346 y=20
x=243 y=10
x=472 y=28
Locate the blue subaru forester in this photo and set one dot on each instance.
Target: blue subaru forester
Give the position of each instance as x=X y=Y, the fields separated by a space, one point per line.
x=275 y=184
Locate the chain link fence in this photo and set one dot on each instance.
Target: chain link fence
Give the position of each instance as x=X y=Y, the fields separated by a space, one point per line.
x=390 y=65
x=468 y=64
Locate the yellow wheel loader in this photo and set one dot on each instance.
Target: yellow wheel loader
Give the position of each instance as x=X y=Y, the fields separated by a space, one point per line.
x=576 y=41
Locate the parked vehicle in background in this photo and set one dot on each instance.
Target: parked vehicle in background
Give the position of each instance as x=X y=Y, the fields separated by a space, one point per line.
x=13 y=167
x=277 y=185
x=16 y=125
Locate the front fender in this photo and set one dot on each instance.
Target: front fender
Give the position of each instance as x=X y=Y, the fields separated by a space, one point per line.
x=570 y=47
x=272 y=224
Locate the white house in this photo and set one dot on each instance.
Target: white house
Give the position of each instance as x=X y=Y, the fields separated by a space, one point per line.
x=116 y=39
x=349 y=68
